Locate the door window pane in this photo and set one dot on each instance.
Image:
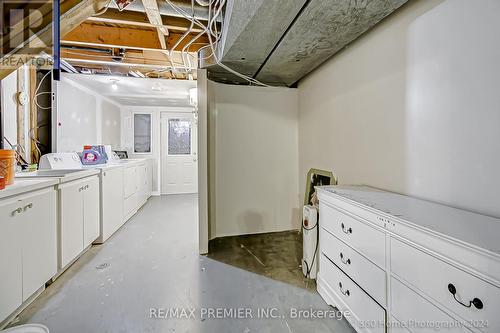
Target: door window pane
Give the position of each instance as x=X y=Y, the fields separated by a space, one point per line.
x=142 y=133
x=179 y=137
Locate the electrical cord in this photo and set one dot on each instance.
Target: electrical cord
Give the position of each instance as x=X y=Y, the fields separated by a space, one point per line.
x=215 y=9
x=309 y=269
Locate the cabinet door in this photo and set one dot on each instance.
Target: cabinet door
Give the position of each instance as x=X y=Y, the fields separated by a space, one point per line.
x=11 y=292
x=71 y=222
x=39 y=241
x=112 y=202
x=130 y=181
x=91 y=211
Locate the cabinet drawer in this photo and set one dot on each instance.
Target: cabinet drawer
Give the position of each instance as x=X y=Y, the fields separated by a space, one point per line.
x=363 y=312
x=370 y=277
x=434 y=276
x=415 y=314
x=358 y=235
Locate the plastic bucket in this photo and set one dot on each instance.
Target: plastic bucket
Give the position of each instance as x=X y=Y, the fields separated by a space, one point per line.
x=7 y=165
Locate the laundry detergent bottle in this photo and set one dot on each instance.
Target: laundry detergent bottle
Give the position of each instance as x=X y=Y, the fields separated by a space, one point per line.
x=92 y=155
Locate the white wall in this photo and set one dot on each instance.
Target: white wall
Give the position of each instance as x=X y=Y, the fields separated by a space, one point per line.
x=10 y=87
x=85 y=117
x=9 y=108
x=413 y=106
x=127 y=137
x=111 y=124
x=253 y=159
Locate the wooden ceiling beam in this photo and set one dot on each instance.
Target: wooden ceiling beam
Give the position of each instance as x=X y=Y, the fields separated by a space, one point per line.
x=132 y=18
x=74 y=12
x=154 y=17
x=128 y=38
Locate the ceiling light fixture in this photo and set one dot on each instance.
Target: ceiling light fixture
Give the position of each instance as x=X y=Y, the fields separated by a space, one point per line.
x=114 y=85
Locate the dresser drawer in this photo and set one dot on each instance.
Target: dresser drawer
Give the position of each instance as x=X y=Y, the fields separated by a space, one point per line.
x=397 y=327
x=437 y=279
x=369 y=276
x=415 y=314
x=362 y=311
x=358 y=235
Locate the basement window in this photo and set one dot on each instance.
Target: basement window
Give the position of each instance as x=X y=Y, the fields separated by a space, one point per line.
x=142 y=133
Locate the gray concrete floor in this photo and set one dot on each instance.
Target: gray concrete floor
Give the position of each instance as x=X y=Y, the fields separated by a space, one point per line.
x=152 y=263
x=277 y=255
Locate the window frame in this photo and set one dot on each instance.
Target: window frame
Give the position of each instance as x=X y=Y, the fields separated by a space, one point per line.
x=151 y=148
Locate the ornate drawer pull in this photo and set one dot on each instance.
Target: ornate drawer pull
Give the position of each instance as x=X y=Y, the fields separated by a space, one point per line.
x=346 y=262
x=346 y=293
x=476 y=301
x=30 y=205
x=17 y=211
x=348 y=231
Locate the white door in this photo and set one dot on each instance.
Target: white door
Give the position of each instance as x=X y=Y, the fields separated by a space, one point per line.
x=71 y=222
x=11 y=286
x=91 y=223
x=112 y=202
x=39 y=241
x=179 y=160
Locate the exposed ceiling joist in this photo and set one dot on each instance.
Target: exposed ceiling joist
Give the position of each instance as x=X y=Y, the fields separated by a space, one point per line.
x=154 y=17
x=127 y=38
x=139 y=19
x=74 y=12
x=133 y=57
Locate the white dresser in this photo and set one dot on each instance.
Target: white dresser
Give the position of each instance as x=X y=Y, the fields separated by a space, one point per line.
x=394 y=263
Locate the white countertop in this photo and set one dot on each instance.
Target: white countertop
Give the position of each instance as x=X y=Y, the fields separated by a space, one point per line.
x=467 y=227
x=21 y=186
x=121 y=163
x=61 y=176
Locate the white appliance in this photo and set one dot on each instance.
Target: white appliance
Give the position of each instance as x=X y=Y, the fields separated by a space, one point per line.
x=60 y=161
x=310 y=241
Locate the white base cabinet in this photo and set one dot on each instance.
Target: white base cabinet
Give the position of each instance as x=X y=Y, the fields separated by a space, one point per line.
x=78 y=218
x=137 y=187
x=111 y=202
x=124 y=190
x=28 y=246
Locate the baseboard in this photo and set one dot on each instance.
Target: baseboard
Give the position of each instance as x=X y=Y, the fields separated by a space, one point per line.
x=253 y=233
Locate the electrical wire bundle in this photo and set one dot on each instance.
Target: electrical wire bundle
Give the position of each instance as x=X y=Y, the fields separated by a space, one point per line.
x=215 y=8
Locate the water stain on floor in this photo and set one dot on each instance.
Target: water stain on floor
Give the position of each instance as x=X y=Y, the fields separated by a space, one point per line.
x=276 y=255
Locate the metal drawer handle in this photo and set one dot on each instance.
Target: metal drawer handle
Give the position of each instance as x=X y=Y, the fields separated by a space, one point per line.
x=30 y=205
x=17 y=211
x=348 y=231
x=476 y=301
x=346 y=293
x=346 y=262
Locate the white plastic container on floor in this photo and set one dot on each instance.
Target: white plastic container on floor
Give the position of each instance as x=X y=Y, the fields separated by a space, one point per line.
x=310 y=241
x=29 y=328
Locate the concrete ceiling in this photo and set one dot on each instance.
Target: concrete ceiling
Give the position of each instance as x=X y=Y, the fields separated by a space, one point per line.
x=280 y=41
